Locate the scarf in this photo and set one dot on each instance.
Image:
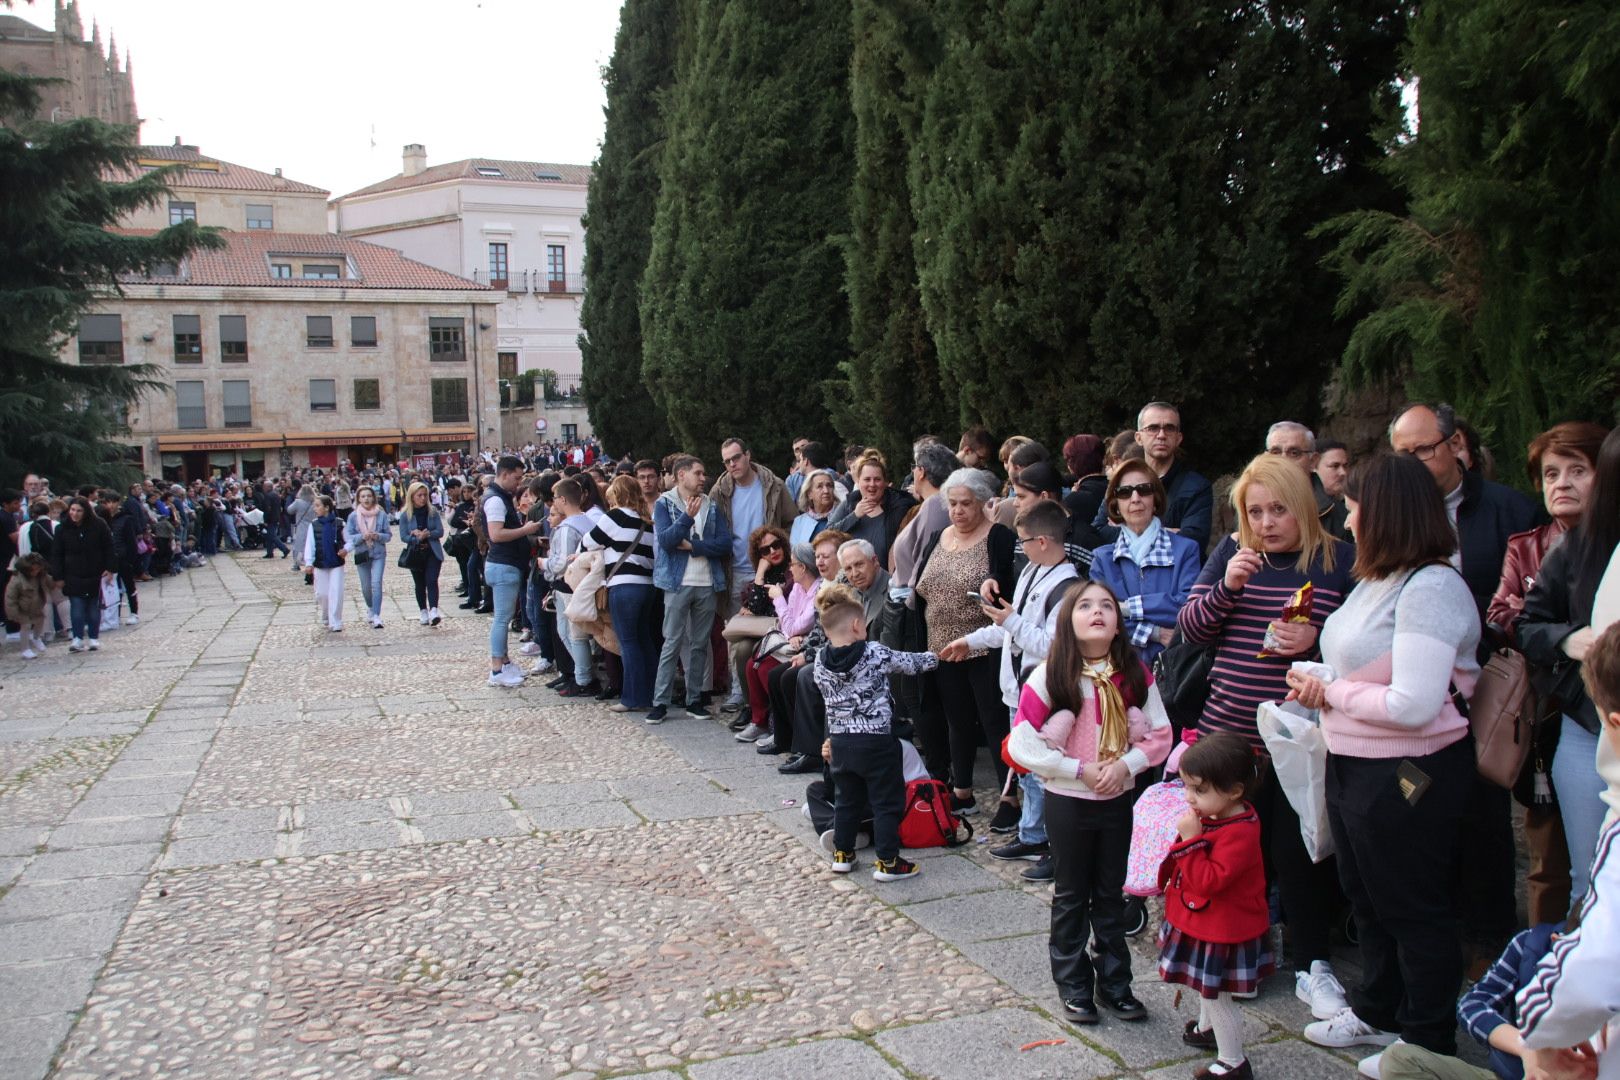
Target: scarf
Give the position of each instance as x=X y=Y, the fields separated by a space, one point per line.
x=1141 y=544
x=368 y=522
x=1114 y=737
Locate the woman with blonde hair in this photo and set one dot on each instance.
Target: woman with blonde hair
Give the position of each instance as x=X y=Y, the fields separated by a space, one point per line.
x=420 y=527
x=1248 y=606
x=625 y=535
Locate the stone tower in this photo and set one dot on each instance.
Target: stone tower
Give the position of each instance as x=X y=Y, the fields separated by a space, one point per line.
x=95 y=82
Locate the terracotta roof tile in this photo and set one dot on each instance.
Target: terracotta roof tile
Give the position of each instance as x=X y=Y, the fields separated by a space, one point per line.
x=527 y=172
x=246 y=257
x=223 y=175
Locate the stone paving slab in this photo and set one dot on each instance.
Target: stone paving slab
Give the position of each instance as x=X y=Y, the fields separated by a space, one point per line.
x=842 y=1058
x=987 y=1046
x=981 y=916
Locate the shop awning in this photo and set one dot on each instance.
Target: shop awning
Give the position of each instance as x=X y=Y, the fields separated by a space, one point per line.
x=177 y=443
x=449 y=435
x=366 y=437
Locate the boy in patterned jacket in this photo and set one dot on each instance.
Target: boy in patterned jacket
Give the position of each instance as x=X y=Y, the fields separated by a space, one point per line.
x=853 y=677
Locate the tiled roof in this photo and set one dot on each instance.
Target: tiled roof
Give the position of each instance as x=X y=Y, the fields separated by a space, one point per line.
x=223 y=175
x=246 y=257
x=527 y=172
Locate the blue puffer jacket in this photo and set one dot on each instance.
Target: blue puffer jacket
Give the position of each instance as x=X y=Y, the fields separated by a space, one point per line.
x=671 y=525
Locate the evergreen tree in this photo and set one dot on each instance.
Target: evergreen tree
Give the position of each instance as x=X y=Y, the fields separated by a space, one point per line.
x=619 y=214
x=1496 y=290
x=60 y=419
x=1112 y=204
x=743 y=306
x=888 y=391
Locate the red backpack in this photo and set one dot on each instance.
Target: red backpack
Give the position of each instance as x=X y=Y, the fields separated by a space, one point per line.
x=928 y=820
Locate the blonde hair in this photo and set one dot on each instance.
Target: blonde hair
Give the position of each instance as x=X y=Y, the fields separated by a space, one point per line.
x=410 y=496
x=834 y=600
x=1290 y=486
x=625 y=494
x=870 y=457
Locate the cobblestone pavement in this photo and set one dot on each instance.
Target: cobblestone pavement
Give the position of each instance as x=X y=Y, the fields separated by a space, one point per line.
x=233 y=844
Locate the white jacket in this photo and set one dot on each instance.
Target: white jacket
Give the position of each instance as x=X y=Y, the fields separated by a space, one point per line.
x=1024 y=629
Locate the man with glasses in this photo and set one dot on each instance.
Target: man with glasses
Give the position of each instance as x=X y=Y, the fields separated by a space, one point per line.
x=1296 y=442
x=1190 y=508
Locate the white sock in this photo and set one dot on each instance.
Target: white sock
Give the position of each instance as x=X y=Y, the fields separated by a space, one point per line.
x=1226 y=1017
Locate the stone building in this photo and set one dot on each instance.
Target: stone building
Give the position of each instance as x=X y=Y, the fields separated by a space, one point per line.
x=288 y=349
x=228 y=196
x=517 y=226
x=93 y=84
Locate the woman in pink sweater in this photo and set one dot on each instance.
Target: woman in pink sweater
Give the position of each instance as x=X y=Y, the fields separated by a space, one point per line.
x=795 y=615
x=1400 y=758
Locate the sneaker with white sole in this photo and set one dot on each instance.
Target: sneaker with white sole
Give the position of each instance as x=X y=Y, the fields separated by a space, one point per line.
x=895 y=869
x=751 y=733
x=1321 y=990
x=528 y=648
x=1373 y=1067
x=434 y=617
x=29 y=654
x=132 y=620
x=422 y=617
x=1345 y=1028
x=93 y=644
x=862 y=840
x=76 y=645
x=503 y=678
x=38 y=642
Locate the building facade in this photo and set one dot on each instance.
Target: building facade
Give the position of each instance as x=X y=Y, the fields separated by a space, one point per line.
x=298 y=349
x=92 y=82
x=517 y=226
x=228 y=196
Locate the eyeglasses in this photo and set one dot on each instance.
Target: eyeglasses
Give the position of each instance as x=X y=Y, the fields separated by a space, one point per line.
x=1126 y=491
x=1425 y=452
x=1028 y=540
x=766 y=549
x=734 y=458
x=1162 y=429
x=1292 y=453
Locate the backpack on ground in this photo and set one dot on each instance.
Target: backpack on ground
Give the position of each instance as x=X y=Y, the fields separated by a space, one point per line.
x=928 y=820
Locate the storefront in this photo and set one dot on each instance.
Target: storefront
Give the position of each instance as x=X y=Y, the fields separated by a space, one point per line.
x=323 y=449
x=184 y=458
x=428 y=441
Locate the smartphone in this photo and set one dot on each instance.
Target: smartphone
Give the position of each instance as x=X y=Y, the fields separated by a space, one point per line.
x=977 y=599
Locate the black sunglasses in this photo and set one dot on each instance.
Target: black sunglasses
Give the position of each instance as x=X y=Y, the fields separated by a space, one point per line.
x=1125 y=491
x=766 y=549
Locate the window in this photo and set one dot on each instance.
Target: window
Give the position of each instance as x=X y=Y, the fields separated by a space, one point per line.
x=189 y=408
x=507 y=362
x=187 y=339
x=570 y=432
x=238 y=403
x=281 y=270
x=182 y=211
x=449 y=401
x=497 y=265
x=363 y=331
x=547 y=174
x=556 y=268
x=367 y=394
x=487 y=170
x=445 y=339
x=260 y=216
x=318 y=331
x=233 y=339
x=323 y=395
x=321 y=272
x=165 y=270
x=101 y=339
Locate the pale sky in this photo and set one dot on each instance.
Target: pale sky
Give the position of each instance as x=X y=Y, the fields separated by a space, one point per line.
x=330 y=90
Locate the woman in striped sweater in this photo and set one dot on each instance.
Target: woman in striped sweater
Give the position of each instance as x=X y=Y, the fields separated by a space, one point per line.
x=626 y=533
x=1280 y=547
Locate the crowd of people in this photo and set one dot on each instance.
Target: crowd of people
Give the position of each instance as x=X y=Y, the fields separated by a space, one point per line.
x=881 y=626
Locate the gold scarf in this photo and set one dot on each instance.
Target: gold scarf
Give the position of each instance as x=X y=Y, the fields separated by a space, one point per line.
x=1113 y=736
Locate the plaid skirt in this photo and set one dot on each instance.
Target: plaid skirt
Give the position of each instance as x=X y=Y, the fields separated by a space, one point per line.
x=1213 y=969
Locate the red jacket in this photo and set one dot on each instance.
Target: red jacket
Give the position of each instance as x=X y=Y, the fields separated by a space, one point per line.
x=1520 y=565
x=1215 y=884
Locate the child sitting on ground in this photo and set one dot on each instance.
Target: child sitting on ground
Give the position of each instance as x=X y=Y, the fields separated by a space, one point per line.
x=1572 y=1006
x=1216 y=936
x=853 y=677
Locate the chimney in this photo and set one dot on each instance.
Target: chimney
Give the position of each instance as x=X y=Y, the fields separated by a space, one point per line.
x=278 y=170
x=177 y=140
x=415 y=158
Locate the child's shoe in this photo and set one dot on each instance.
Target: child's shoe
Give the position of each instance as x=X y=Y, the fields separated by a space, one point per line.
x=1220 y=1070
x=1203 y=1038
x=894 y=869
x=843 y=862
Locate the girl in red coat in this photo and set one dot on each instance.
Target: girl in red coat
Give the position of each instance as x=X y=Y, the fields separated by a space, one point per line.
x=1216 y=933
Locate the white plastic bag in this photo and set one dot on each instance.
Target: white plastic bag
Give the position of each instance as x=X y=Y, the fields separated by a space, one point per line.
x=1299 y=757
x=110 y=597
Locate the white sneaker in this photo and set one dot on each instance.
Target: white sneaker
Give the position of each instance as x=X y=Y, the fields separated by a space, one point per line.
x=132 y=620
x=513 y=670
x=1321 y=990
x=530 y=648
x=1345 y=1028
x=434 y=616
x=94 y=644
x=503 y=678
x=77 y=645
x=376 y=622
x=1373 y=1067
x=543 y=667
x=30 y=654
x=37 y=641
x=751 y=733
x=12 y=639
x=423 y=617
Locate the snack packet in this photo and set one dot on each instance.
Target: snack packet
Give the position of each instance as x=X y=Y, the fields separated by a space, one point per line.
x=1297 y=610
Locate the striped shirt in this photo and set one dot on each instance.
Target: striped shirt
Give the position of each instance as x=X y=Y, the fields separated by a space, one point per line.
x=1236 y=622
x=616 y=532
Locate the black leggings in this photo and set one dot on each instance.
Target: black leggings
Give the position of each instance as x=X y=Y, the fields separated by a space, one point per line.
x=427 y=582
x=126 y=576
x=970 y=692
x=1311 y=897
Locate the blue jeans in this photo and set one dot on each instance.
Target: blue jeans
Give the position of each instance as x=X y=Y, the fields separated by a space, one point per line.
x=630 y=607
x=1580 y=801
x=84 y=613
x=1032 y=822
x=532 y=611
x=504 y=580
x=370 y=576
x=578 y=647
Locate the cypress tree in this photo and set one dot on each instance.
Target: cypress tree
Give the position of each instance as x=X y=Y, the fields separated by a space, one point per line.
x=65 y=420
x=1113 y=200
x=743 y=305
x=619 y=213
x=1496 y=290
x=888 y=391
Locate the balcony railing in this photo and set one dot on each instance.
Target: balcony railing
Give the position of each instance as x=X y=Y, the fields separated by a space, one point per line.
x=533 y=281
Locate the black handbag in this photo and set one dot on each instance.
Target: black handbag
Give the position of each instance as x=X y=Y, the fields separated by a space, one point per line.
x=1181 y=674
x=361 y=556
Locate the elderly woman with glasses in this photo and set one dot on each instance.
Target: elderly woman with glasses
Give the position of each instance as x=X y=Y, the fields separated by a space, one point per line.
x=1151 y=569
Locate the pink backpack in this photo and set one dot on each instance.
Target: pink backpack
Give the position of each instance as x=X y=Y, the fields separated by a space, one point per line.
x=1153 y=833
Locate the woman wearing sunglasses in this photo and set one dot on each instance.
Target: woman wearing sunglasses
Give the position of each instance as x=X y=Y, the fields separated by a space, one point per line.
x=770 y=551
x=1150 y=568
